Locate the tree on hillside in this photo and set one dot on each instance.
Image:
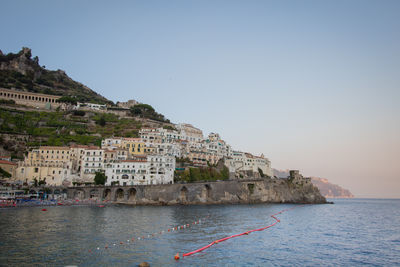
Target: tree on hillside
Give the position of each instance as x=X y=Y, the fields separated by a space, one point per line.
x=68 y=100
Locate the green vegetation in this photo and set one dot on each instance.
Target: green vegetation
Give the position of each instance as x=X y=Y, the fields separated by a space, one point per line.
x=68 y=100
x=7 y=102
x=4 y=173
x=79 y=113
x=63 y=128
x=147 y=111
x=202 y=174
x=169 y=127
x=100 y=178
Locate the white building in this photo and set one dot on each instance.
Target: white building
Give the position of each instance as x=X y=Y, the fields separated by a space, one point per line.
x=149 y=170
x=111 y=143
x=169 y=149
x=92 y=162
x=241 y=163
x=90 y=106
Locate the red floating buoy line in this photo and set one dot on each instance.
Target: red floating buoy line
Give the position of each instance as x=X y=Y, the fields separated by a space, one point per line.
x=134 y=240
x=237 y=235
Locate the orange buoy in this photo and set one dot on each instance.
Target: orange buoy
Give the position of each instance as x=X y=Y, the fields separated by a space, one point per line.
x=177 y=256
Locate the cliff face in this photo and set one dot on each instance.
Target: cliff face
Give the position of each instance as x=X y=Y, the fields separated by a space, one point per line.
x=326 y=188
x=19 y=71
x=331 y=190
x=227 y=192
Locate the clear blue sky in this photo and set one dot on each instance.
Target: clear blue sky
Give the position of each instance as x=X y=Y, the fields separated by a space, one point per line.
x=314 y=85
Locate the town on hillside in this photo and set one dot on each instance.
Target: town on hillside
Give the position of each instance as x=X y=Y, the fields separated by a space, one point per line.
x=158 y=156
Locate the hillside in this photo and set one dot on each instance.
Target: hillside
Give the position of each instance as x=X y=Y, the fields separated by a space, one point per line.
x=21 y=129
x=22 y=72
x=326 y=188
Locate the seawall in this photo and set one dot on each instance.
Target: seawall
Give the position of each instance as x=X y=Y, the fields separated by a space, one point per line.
x=224 y=192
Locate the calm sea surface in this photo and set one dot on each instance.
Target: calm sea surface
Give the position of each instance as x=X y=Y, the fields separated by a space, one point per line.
x=357 y=232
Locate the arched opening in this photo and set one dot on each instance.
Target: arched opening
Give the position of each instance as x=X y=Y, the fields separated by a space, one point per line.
x=107 y=194
x=183 y=195
x=132 y=194
x=119 y=194
x=79 y=194
x=94 y=194
x=161 y=171
x=153 y=170
x=206 y=192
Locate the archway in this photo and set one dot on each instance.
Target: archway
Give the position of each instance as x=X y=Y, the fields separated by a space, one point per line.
x=79 y=194
x=206 y=192
x=94 y=193
x=183 y=195
x=132 y=194
x=107 y=194
x=119 y=195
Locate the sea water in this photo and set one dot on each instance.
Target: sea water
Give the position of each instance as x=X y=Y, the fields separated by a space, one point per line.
x=351 y=232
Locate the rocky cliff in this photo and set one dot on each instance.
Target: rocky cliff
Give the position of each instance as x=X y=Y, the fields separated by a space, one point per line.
x=330 y=190
x=226 y=192
x=22 y=72
x=326 y=188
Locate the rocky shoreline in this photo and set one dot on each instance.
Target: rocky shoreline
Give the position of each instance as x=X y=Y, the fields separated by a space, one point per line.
x=223 y=192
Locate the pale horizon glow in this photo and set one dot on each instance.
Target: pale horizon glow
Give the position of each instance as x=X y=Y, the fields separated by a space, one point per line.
x=313 y=85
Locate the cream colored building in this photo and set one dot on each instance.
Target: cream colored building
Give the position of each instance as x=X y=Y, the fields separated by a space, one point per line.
x=51 y=164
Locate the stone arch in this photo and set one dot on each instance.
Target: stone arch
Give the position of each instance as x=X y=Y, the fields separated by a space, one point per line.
x=132 y=194
x=107 y=194
x=119 y=194
x=161 y=171
x=183 y=194
x=206 y=192
x=153 y=170
x=79 y=194
x=94 y=193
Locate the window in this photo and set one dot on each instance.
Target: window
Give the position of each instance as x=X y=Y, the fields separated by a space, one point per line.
x=36 y=170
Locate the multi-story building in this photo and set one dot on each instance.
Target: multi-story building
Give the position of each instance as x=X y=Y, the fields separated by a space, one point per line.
x=52 y=164
x=92 y=162
x=189 y=133
x=217 y=146
x=169 y=149
x=202 y=158
x=152 y=169
x=135 y=146
x=150 y=135
x=111 y=143
x=245 y=164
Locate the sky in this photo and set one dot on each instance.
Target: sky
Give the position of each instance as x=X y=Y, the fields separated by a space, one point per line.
x=313 y=85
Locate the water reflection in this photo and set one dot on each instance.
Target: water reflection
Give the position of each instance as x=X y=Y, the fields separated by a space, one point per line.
x=312 y=235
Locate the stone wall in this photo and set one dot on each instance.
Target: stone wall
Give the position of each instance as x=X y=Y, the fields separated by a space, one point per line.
x=226 y=192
